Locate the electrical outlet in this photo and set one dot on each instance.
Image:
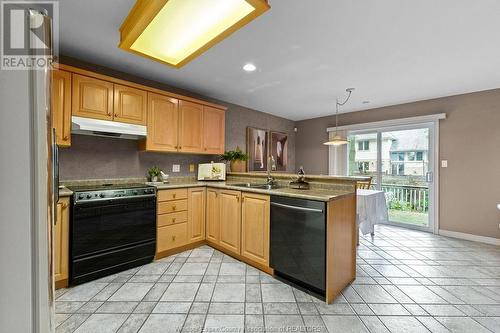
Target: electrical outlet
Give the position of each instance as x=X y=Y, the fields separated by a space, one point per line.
x=176 y=168
x=191 y=167
x=444 y=163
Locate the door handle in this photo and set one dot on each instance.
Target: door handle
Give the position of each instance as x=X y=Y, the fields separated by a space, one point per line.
x=297 y=208
x=429 y=177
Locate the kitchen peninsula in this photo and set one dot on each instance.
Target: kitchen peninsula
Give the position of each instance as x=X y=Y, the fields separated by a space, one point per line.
x=237 y=218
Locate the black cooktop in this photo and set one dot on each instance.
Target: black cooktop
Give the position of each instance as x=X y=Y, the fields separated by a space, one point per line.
x=101 y=187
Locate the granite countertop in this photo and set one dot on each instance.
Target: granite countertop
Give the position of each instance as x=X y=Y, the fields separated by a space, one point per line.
x=311 y=194
x=65 y=192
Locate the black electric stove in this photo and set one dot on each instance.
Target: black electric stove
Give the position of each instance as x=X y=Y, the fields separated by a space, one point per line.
x=113 y=228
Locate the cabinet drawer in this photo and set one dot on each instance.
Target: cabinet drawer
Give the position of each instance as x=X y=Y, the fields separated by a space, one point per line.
x=167 y=195
x=172 y=206
x=171 y=236
x=172 y=218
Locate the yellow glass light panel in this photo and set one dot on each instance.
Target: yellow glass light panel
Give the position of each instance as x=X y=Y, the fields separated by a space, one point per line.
x=176 y=31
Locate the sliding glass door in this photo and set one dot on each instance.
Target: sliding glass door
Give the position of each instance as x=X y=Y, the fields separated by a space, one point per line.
x=401 y=162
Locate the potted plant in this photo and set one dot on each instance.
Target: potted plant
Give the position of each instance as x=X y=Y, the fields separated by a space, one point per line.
x=236 y=158
x=153 y=173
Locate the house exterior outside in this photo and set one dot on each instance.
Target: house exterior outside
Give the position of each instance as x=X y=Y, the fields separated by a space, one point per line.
x=402 y=153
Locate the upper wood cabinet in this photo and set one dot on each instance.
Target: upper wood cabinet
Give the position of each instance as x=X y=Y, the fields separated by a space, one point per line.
x=61 y=241
x=255 y=227
x=162 y=124
x=213 y=215
x=92 y=98
x=130 y=105
x=61 y=106
x=230 y=220
x=213 y=130
x=190 y=127
x=196 y=214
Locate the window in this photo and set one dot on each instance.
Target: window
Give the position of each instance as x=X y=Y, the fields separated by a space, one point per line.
x=397 y=169
x=397 y=156
x=411 y=156
x=363 y=167
x=420 y=156
x=364 y=145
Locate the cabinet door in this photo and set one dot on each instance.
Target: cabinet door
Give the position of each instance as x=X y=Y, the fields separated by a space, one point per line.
x=255 y=227
x=213 y=130
x=92 y=98
x=60 y=242
x=230 y=220
x=61 y=106
x=130 y=105
x=163 y=123
x=213 y=215
x=196 y=214
x=191 y=127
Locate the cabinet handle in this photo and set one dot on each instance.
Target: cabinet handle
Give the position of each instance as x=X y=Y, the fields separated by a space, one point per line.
x=238 y=199
x=173 y=207
x=173 y=238
x=65 y=138
x=110 y=114
x=173 y=220
x=242 y=199
x=116 y=114
x=64 y=206
x=180 y=147
x=206 y=149
x=173 y=195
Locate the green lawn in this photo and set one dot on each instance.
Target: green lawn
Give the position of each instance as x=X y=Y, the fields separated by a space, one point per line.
x=415 y=218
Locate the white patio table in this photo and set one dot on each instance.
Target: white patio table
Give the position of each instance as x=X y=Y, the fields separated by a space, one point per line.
x=371 y=209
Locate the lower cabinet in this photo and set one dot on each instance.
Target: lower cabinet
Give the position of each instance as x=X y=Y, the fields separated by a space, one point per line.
x=196 y=214
x=235 y=221
x=171 y=236
x=180 y=218
x=230 y=220
x=255 y=227
x=61 y=243
x=213 y=215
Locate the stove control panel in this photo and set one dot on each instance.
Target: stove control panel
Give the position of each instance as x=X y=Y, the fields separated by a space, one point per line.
x=114 y=193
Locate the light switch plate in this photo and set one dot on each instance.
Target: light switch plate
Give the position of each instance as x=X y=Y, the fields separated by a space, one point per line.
x=191 y=167
x=176 y=168
x=444 y=163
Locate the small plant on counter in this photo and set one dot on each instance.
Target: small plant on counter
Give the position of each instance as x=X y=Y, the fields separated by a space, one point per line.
x=236 y=158
x=153 y=173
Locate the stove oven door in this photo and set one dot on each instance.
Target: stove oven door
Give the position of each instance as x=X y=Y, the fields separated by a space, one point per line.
x=111 y=235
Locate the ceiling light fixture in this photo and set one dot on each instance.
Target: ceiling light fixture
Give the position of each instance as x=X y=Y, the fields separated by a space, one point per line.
x=249 y=67
x=337 y=140
x=174 y=32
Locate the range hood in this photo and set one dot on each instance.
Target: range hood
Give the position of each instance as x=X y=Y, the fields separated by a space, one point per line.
x=114 y=129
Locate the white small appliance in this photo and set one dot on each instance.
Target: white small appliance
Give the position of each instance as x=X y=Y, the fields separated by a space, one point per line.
x=212 y=171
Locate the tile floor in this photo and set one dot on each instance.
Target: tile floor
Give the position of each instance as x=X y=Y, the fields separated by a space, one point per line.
x=407 y=281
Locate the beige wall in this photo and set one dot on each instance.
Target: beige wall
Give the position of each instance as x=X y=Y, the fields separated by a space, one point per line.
x=469 y=140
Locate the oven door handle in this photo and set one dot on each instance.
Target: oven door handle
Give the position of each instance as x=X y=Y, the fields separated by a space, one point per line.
x=304 y=209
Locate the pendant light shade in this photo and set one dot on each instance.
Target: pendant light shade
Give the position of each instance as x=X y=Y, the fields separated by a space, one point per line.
x=337 y=140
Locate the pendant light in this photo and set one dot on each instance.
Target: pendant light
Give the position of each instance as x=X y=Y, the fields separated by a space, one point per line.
x=337 y=140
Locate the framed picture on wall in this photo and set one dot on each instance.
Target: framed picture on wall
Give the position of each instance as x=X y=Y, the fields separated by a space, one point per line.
x=257 y=142
x=279 y=150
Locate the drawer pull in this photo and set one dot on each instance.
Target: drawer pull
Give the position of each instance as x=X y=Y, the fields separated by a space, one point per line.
x=173 y=220
x=173 y=238
x=65 y=138
x=173 y=207
x=173 y=195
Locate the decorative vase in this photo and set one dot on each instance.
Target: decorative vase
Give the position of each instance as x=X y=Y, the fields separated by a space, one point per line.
x=238 y=166
x=154 y=179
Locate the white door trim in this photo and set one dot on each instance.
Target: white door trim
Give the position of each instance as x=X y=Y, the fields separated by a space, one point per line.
x=390 y=123
x=433 y=126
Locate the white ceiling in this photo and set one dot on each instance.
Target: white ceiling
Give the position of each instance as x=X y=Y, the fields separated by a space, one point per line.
x=308 y=52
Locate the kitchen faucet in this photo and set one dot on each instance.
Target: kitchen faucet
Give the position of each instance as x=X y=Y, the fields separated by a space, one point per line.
x=271 y=164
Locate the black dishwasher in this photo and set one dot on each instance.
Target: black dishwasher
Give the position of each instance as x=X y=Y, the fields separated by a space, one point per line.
x=298 y=241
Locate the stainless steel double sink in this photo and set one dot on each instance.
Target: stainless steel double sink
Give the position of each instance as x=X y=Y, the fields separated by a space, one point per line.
x=256 y=186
